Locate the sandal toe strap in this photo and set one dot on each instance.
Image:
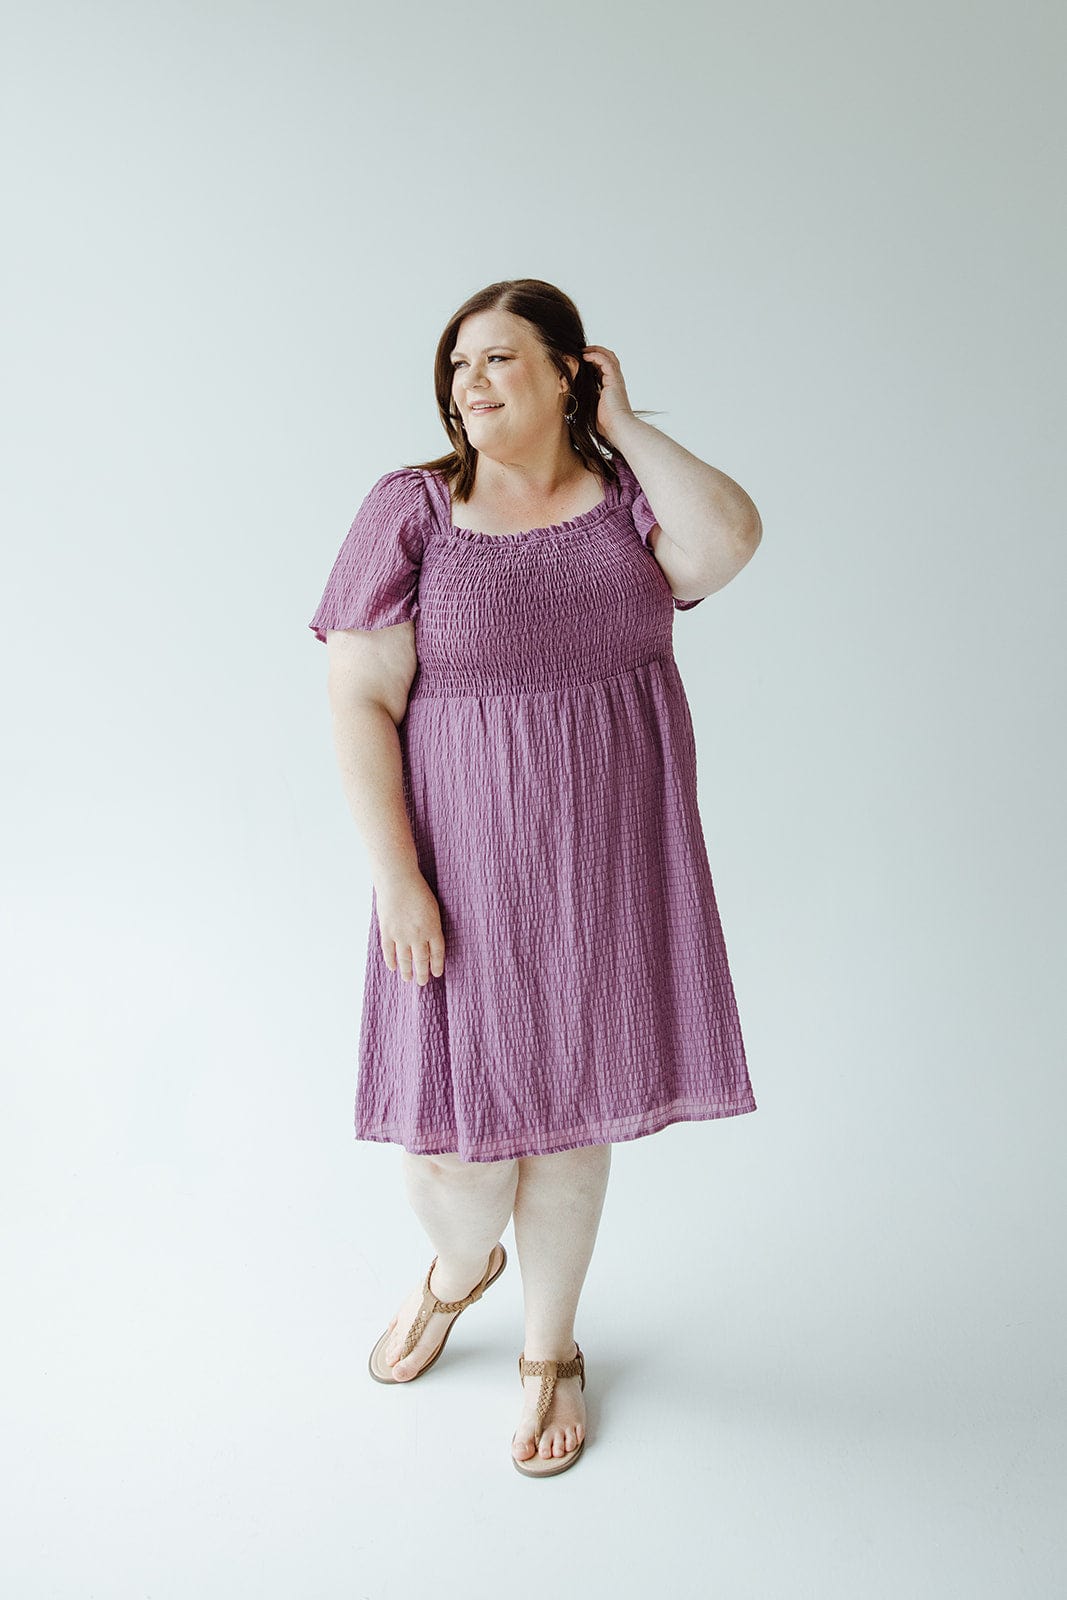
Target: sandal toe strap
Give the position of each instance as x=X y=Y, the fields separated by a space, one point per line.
x=548 y=1372
x=414 y=1334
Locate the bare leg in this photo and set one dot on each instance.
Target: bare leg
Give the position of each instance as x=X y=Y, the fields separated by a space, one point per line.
x=558 y=1202
x=464 y=1207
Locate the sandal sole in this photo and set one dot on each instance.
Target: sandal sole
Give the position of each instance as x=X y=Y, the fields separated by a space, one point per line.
x=553 y=1465
x=381 y=1371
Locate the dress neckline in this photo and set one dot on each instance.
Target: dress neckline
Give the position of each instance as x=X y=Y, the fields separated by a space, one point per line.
x=605 y=504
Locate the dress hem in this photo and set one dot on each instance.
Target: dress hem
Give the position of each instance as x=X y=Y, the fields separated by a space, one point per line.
x=613 y=1131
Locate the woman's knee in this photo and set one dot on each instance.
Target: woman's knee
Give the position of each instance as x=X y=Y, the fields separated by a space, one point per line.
x=449 y=1165
x=580 y=1157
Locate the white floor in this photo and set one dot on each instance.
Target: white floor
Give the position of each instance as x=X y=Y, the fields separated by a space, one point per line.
x=782 y=1402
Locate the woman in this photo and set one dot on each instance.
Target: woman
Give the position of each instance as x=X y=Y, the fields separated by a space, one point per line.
x=525 y=783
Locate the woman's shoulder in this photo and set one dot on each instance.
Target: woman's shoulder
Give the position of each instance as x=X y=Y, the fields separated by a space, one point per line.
x=401 y=480
x=402 y=491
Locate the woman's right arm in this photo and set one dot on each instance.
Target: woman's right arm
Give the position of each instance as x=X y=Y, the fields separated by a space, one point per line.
x=370 y=673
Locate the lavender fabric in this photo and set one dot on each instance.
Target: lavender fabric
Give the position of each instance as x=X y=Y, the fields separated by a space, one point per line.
x=549 y=769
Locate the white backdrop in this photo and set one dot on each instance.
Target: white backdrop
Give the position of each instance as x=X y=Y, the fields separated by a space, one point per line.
x=823 y=1339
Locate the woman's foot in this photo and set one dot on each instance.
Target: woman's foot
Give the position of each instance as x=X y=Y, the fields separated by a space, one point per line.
x=430 y=1338
x=564 y=1426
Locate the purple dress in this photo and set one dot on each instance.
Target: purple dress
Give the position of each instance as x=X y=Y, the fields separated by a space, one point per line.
x=549 y=771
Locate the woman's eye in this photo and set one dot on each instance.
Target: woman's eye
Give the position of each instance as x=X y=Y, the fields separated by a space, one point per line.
x=457 y=364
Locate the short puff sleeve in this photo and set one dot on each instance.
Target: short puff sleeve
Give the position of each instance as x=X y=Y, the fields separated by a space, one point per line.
x=645 y=518
x=374 y=582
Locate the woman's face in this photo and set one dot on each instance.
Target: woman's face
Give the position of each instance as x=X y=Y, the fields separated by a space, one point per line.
x=498 y=361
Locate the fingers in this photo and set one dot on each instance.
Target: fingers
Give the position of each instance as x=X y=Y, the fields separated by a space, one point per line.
x=415 y=960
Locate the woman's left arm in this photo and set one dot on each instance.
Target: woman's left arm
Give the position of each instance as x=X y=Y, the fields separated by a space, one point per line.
x=707 y=526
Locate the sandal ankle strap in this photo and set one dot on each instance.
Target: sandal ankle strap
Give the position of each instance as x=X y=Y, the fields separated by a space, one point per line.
x=468 y=1299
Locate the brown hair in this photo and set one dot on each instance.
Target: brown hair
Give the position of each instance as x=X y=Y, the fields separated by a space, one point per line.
x=554 y=317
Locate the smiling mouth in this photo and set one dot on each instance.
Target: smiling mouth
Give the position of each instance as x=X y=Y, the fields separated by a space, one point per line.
x=497 y=406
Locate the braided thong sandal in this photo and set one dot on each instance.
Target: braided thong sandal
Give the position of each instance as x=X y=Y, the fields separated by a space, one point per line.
x=382 y=1370
x=548 y=1372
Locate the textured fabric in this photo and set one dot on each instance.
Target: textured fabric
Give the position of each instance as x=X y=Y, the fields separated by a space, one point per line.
x=549 y=769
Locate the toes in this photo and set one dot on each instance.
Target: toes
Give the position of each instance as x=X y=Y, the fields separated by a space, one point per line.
x=522 y=1448
x=413 y=1363
x=425 y=1347
x=556 y=1442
